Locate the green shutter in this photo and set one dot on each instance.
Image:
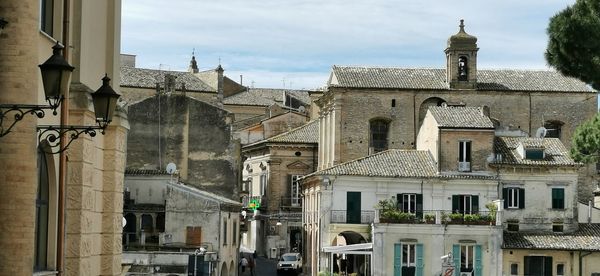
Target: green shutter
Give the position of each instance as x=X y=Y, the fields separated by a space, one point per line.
x=400 y=202
x=558 y=198
x=521 y=198
x=454 y=203
x=478 y=261
x=474 y=204
x=456 y=258
x=505 y=197
x=419 y=206
x=420 y=265
x=398 y=259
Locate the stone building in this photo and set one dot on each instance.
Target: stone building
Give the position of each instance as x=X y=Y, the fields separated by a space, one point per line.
x=272 y=169
x=85 y=182
x=369 y=109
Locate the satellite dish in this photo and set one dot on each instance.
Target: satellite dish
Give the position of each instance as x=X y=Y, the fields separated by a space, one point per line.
x=541 y=132
x=171 y=168
x=301 y=109
x=124 y=222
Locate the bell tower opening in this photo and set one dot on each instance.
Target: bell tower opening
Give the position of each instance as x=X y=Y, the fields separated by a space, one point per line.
x=461 y=60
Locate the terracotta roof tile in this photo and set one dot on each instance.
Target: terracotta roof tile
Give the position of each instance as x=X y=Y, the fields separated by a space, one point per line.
x=147 y=78
x=555 y=152
x=435 y=79
x=587 y=238
x=460 y=117
x=308 y=133
x=266 y=97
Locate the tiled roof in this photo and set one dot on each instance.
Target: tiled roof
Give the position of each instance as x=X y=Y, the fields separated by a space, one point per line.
x=435 y=79
x=555 y=151
x=587 y=238
x=145 y=172
x=389 y=163
x=308 y=133
x=460 y=117
x=147 y=78
x=266 y=97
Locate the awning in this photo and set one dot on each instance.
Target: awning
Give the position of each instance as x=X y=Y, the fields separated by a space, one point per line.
x=358 y=249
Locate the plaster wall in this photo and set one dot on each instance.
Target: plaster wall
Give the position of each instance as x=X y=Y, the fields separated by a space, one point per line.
x=148 y=190
x=428 y=138
x=517 y=256
x=482 y=143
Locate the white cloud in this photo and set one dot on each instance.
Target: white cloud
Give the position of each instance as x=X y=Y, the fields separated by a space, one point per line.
x=307 y=37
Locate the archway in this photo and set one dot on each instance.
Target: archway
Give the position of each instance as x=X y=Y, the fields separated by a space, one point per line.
x=349 y=264
x=130 y=228
x=224 y=271
x=433 y=101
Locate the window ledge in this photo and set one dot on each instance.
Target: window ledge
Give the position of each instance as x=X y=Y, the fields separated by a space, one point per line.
x=45 y=273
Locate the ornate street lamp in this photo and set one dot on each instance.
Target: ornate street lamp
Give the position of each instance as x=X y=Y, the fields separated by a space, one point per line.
x=105 y=102
x=56 y=74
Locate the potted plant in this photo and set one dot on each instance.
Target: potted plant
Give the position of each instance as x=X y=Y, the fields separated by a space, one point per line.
x=456 y=218
x=429 y=218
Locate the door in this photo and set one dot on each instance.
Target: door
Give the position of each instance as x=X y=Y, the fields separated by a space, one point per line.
x=538 y=266
x=353 y=207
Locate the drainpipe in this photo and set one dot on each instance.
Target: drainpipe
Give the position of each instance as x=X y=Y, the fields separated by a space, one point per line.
x=62 y=163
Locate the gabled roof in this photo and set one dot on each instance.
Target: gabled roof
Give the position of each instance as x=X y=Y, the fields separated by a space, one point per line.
x=555 y=152
x=202 y=193
x=308 y=133
x=587 y=238
x=266 y=97
x=460 y=117
x=435 y=79
x=389 y=163
x=147 y=78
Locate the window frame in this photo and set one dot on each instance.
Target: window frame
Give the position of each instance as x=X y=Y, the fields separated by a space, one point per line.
x=263 y=184
x=295 y=190
x=513 y=267
x=379 y=128
x=409 y=255
x=558 y=203
x=47 y=14
x=469 y=256
x=563 y=269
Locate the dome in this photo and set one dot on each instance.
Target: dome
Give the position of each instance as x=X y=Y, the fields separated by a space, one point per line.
x=462 y=38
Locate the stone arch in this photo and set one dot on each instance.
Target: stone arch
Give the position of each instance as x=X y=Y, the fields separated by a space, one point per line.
x=232 y=268
x=433 y=101
x=130 y=228
x=553 y=128
x=463 y=68
x=351 y=263
x=379 y=130
x=224 y=271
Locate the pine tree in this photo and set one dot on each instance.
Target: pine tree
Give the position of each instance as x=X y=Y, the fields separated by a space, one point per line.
x=574 y=42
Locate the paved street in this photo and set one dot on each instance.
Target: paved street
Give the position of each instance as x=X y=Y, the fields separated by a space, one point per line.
x=264 y=267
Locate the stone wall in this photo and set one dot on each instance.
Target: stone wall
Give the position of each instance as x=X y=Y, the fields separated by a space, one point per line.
x=482 y=147
x=194 y=135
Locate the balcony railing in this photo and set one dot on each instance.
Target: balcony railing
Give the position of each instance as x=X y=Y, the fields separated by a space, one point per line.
x=342 y=216
x=439 y=217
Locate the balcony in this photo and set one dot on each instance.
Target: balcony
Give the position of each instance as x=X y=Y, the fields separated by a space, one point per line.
x=261 y=200
x=439 y=217
x=342 y=216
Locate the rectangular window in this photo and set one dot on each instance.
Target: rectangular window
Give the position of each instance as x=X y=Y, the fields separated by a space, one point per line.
x=534 y=154
x=295 y=190
x=263 y=184
x=560 y=270
x=513 y=227
x=47 y=16
x=514 y=198
x=465 y=204
x=538 y=265
x=558 y=198
x=409 y=203
x=557 y=228
x=514 y=269
x=408 y=254
x=466 y=258
x=464 y=156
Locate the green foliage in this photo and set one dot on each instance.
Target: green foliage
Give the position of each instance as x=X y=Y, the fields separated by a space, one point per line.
x=429 y=217
x=456 y=216
x=493 y=210
x=386 y=204
x=586 y=141
x=472 y=218
x=574 y=42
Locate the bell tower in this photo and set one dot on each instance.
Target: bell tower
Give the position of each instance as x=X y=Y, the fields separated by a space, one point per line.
x=461 y=60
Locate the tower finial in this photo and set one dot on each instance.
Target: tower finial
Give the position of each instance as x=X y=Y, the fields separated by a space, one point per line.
x=193 y=51
x=462 y=25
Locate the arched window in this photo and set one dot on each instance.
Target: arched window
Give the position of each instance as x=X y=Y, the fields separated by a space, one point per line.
x=463 y=69
x=553 y=129
x=41 y=214
x=378 y=135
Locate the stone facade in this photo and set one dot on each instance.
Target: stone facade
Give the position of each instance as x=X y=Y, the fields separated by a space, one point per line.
x=93 y=174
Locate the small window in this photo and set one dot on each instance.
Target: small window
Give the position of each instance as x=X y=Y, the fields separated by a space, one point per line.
x=558 y=198
x=295 y=190
x=512 y=227
x=534 y=154
x=466 y=258
x=514 y=198
x=408 y=255
x=557 y=228
x=560 y=269
x=263 y=184
x=393 y=102
x=553 y=129
x=379 y=135
x=514 y=269
x=224 y=232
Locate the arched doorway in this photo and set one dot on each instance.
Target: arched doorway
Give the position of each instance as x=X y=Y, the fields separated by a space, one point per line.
x=129 y=232
x=224 y=271
x=346 y=263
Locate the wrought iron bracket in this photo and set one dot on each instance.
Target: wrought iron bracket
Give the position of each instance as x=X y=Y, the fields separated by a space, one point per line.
x=53 y=134
x=20 y=110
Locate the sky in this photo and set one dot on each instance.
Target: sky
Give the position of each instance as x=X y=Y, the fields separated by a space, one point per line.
x=293 y=44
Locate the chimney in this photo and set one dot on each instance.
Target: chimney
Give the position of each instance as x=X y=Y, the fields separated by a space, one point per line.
x=220 y=83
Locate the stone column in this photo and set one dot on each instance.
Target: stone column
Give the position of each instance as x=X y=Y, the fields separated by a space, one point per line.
x=19 y=76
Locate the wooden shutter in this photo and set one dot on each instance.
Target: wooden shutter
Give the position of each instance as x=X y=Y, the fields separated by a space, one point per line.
x=478 y=261
x=400 y=202
x=193 y=235
x=505 y=197
x=548 y=266
x=419 y=211
x=474 y=204
x=455 y=203
x=397 y=259
x=420 y=265
x=456 y=257
x=521 y=198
